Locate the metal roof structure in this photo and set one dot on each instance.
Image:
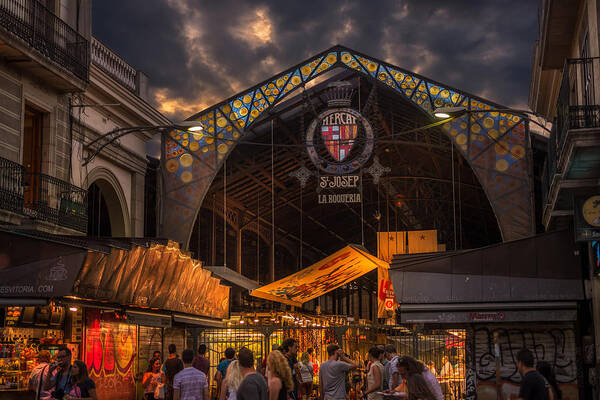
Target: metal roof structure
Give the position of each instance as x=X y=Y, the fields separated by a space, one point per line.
x=493 y=143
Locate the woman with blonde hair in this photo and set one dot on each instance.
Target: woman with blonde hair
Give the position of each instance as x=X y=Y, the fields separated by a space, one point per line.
x=279 y=376
x=233 y=378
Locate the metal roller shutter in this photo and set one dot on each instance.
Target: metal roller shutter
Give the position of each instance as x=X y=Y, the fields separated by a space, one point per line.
x=552 y=343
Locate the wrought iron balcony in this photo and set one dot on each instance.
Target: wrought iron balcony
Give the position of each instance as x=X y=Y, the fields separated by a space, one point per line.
x=577 y=106
x=42 y=197
x=11 y=185
x=573 y=160
x=43 y=31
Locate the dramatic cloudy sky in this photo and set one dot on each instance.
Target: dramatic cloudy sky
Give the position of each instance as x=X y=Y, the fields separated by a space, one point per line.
x=197 y=53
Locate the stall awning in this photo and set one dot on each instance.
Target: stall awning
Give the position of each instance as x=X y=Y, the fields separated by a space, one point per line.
x=341 y=267
x=32 y=270
x=536 y=269
x=142 y=273
x=159 y=277
x=229 y=275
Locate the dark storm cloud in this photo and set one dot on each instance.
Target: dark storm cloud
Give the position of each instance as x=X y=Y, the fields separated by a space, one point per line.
x=145 y=34
x=197 y=53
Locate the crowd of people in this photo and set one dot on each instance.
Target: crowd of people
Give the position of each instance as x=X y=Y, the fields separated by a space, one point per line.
x=62 y=379
x=281 y=376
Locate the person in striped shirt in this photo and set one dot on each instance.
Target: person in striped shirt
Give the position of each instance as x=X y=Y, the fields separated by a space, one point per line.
x=190 y=383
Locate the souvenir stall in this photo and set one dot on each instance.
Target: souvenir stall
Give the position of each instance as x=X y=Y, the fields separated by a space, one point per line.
x=32 y=273
x=24 y=332
x=112 y=302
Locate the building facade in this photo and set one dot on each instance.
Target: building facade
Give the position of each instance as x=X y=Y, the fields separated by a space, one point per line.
x=61 y=89
x=564 y=89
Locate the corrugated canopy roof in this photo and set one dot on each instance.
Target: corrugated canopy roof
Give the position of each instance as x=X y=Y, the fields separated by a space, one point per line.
x=136 y=272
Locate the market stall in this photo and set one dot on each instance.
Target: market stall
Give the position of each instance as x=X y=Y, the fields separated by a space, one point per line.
x=113 y=303
x=24 y=333
x=497 y=300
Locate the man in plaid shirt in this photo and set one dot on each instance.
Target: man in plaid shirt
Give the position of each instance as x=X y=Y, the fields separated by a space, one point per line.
x=190 y=383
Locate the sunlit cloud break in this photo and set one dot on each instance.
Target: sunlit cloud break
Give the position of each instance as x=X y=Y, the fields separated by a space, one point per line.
x=197 y=53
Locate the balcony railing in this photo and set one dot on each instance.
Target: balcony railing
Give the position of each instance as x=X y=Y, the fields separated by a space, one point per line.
x=42 y=197
x=11 y=185
x=577 y=106
x=33 y=23
x=113 y=65
x=55 y=201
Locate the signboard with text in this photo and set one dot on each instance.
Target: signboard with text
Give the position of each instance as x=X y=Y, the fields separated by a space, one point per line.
x=339 y=189
x=339 y=142
x=52 y=277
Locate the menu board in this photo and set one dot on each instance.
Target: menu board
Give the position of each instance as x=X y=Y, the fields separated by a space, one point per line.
x=13 y=314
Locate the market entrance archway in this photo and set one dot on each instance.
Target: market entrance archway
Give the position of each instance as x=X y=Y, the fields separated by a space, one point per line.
x=494 y=144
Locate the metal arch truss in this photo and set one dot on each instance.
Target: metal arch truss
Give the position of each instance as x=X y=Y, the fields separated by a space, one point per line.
x=494 y=143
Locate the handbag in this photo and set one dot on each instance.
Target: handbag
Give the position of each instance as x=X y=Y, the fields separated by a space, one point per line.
x=41 y=379
x=159 y=391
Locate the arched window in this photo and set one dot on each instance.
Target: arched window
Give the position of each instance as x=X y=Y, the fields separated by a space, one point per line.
x=105 y=211
x=98 y=221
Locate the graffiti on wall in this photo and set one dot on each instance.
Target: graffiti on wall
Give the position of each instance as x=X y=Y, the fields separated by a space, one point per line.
x=470 y=375
x=555 y=345
x=110 y=351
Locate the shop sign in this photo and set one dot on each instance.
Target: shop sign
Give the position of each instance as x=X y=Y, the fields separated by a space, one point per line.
x=587 y=218
x=339 y=189
x=482 y=316
x=149 y=320
x=386 y=300
x=423 y=317
x=345 y=143
x=46 y=278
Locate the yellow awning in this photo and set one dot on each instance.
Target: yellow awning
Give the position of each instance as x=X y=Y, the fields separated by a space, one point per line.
x=341 y=267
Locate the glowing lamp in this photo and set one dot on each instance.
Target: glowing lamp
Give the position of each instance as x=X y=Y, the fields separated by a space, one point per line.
x=449 y=112
x=192 y=126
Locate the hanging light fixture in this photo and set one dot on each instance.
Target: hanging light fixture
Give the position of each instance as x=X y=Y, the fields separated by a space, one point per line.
x=448 y=112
